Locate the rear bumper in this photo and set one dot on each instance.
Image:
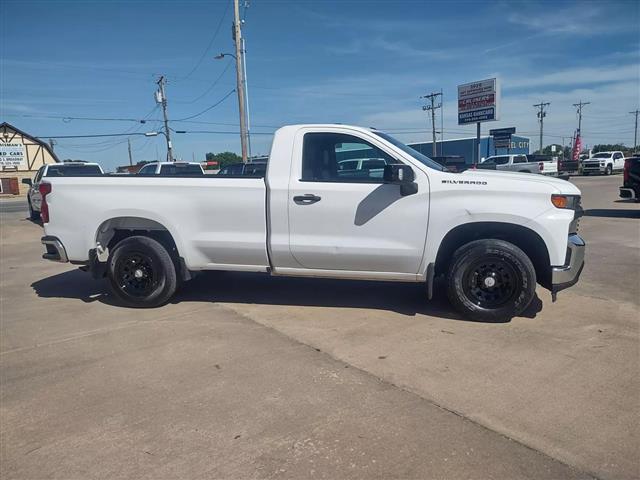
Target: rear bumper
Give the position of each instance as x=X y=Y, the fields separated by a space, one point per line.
x=55 y=251
x=567 y=275
x=627 y=192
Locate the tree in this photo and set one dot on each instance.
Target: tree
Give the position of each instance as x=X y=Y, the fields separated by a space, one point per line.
x=612 y=147
x=224 y=158
x=559 y=151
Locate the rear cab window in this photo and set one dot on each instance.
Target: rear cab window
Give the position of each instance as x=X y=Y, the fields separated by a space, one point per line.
x=73 y=170
x=181 y=169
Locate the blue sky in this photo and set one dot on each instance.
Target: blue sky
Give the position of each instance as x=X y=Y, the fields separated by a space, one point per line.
x=360 y=62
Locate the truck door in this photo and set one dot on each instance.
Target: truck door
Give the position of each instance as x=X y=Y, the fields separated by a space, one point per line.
x=342 y=216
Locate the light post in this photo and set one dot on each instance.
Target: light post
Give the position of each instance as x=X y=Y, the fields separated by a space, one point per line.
x=244 y=103
x=155 y=134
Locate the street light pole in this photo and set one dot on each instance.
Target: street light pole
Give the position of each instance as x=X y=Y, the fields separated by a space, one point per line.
x=240 y=81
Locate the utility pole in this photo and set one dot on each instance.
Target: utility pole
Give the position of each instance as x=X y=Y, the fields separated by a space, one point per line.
x=162 y=99
x=130 y=157
x=51 y=143
x=635 y=131
x=240 y=80
x=579 y=105
x=432 y=98
x=541 y=115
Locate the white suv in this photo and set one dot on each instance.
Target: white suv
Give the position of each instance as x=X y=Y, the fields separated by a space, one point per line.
x=65 y=169
x=603 y=162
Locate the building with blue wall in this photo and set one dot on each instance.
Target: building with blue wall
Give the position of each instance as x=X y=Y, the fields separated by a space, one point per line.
x=464 y=147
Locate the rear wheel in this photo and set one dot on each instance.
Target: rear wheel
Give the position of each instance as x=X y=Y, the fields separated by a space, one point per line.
x=490 y=280
x=141 y=272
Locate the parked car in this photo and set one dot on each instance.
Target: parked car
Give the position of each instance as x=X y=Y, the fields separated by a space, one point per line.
x=492 y=235
x=631 y=179
x=65 y=169
x=171 y=169
x=542 y=164
x=251 y=169
x=603 y=162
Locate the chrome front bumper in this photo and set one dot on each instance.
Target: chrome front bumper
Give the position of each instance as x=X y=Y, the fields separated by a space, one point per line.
x=55 y=249
x=568 y=274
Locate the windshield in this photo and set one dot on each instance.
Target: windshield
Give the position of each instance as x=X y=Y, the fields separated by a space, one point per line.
x=410 y=151
x=602 y=155
x=73 y=170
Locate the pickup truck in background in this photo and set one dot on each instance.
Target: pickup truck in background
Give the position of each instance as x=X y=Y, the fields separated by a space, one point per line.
x=630 y=188
x=65 y=169
x=521 y=163
x=171 y=169
x=604 y=163
x=492 y=235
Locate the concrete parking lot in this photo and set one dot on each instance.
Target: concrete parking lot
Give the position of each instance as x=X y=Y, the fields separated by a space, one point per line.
x=247 y=376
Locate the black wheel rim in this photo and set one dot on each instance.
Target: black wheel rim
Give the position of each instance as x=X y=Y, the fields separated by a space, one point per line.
x=136 y=274
x=492 y=282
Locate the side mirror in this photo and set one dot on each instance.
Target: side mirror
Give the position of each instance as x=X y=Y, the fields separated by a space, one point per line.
x=27 y=181
x=402 y=175
x=398 y=174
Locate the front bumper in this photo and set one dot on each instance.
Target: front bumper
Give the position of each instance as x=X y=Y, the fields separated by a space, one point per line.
x=594 y=168
x=54 y=249
x=568 y=274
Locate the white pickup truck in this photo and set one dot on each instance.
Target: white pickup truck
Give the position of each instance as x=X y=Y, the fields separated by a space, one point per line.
x=493 y=235
x=603 y=162
x=521 y=163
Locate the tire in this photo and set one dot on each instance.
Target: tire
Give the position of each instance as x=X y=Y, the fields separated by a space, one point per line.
x=490 y=280
x=33 y=215
x=141 y=272
x=608 y=170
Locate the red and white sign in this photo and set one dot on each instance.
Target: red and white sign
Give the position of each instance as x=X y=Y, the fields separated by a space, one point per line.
x=478 y=101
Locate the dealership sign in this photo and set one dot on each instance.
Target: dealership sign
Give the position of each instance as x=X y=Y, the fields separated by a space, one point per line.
x=478 y=101
x=11 y=154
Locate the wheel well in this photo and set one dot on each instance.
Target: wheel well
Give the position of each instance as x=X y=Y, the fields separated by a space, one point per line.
x=112 y=231
x=526 y=239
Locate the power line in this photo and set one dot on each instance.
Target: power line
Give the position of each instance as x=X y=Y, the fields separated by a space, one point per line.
x=215 y=82
x=432 y=108
x=579 y=105
x=215 y=34
x=208 y=108
x=541 y=114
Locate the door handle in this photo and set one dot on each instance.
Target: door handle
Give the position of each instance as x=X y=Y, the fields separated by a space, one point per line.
x=306 y=199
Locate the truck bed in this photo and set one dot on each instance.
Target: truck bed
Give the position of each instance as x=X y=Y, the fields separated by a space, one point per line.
x=210 y=241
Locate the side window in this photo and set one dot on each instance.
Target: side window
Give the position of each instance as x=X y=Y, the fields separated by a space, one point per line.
x=617 y=156
x=520 y=159
x=502 y=160
x=147 y=170
x=337 y=157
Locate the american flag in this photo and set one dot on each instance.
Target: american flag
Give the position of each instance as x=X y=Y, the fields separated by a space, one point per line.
x=577 y=147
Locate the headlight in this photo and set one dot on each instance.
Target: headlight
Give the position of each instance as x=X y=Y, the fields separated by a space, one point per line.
x=569 y=202
x=602 y=164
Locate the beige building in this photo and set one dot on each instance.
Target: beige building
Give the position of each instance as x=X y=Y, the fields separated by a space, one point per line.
x=21 y=155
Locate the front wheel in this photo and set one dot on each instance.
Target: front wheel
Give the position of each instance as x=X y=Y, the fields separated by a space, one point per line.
x=141 y=272
x=608 y=170
x=490 y=280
